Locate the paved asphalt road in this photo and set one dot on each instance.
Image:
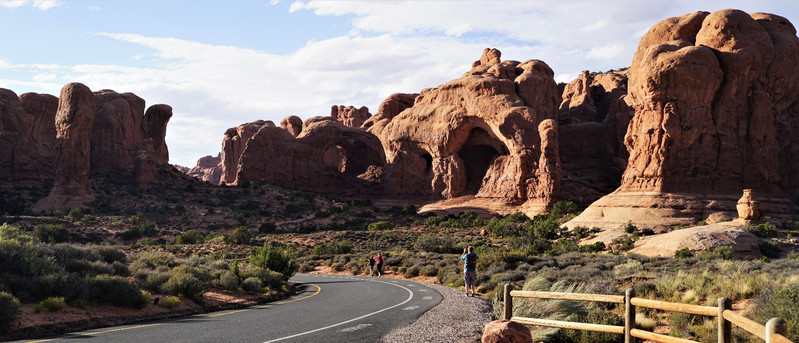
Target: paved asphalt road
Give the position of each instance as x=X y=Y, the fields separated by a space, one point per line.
x=333 y=308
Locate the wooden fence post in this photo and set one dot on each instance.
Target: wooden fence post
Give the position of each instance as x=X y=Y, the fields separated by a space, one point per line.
x=774 y=326
x=725 y=327
x=508 y=313
x=629 y=316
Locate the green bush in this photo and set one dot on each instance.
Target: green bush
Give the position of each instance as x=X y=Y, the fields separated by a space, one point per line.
x=116 y=290
x=229 y=282
x=683 y=253
x=411 y=272
x=50 y=304
x=332 y=248
x=52 y=233
x=190 y=237
x=724 y=252
x=75 y=214
x=769 y=248
x=780 y=301
x=252 y=285
x=762 y=230
x=274 y=259
x=380 y=226
x=267 y=227
x=169 y=302
x=9 y=311
x=183 y=284
x=429 y=271
x=240 y=235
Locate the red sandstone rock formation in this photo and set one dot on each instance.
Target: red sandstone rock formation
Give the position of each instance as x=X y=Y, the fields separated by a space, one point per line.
x=593 y=120
x=477 y=135
x=326 y=157
x=116 y=134
x=389 y=109
x=292 y=124
x=73 y=123
x=711 y=93
x=155 y=120
x=208 y=168
x=234 y=143
x=506 y=331
x=349 y=115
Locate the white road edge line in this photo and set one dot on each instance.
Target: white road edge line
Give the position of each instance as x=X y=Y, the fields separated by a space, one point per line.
x=410 y=296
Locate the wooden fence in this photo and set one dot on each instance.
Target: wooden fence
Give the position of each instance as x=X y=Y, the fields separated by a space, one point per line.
x=773 y=332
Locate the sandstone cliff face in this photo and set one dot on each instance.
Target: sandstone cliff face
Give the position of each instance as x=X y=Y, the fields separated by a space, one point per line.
x=388 y=109
x=73 y=123
x=593 y=120
x=349 y=115
x=48 y=139
x=234 y=143
x=326 y=157
x=477 y=135
x=116 y=133
x=711 y=93
x=208 y=168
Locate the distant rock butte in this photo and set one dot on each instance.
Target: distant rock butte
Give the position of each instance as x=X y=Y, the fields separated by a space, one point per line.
x=716 y=99
x=236 y=140
x=208 y=168
x=80 y=135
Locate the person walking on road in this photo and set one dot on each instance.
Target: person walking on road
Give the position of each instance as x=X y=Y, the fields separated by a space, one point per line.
x=469 y=269
x=379 y=261
x=371 y=266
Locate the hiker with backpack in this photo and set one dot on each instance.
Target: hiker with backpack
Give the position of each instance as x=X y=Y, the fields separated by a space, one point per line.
x=379 y=262
x=371 y=266
x=469 y=269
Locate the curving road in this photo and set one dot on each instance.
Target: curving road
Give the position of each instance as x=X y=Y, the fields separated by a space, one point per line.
x=333 y=308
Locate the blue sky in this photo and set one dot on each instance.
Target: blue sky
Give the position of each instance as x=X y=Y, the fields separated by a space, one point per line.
x=223 y=63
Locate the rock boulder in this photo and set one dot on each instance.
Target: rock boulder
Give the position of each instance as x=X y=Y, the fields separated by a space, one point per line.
x=505 y=331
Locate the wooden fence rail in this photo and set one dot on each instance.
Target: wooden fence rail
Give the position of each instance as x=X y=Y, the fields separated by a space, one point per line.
x=773 y=332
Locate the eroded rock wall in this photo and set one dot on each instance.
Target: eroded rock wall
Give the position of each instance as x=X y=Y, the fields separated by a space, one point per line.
x=715 y=98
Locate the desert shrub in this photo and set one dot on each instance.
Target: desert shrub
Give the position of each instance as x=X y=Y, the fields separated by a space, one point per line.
x=411 y=272
x=762 y=230
x=110 y=254
x=252 y=285
x=190 y=237
x=630 y=227
x=9 y=310
x=183 y=284
x=437 y=244
x=169 y=302
x=153 y=259
x=200 y=273
x=594 y=315
x=50 y=304
x=274 y=259
x=116 y=290
x=228 y=281
x=780 y=301
x=271 y=279
x=267 y=227
x=306 y=267
x=75 y=214
x=683 y=253
x=724 y=252
x=153 y=281
x=332 y=248
x=429 y=271
x=337 y=266
x=140 y=227
x=52 y=233
x=380 y=226
x=769 y=248
x=240 y=235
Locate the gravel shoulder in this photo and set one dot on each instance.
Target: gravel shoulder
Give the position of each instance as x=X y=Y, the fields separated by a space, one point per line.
x=456 y=319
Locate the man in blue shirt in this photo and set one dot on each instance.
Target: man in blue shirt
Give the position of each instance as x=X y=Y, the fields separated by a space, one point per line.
x=469 y=269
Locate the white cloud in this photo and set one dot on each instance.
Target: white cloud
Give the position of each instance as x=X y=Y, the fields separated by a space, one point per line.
x=37 y=4
x=598 y=25
x=606 y=52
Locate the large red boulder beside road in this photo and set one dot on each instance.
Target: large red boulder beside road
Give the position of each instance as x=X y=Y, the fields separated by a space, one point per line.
x=505 y=331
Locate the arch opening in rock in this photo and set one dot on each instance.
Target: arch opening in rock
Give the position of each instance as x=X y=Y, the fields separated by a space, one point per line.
x=336 y=158
x=477 y=153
